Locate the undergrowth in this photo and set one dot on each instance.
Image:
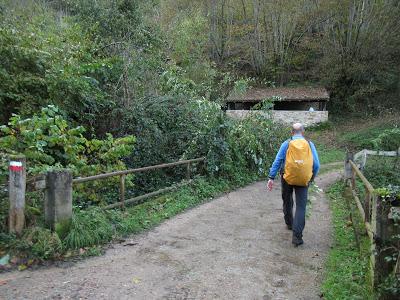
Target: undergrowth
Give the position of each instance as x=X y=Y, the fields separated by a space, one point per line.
x=346 y=274
x=382 y=171
x=88 y=228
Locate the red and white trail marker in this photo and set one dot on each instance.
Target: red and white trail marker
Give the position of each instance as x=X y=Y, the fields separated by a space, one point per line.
x=16 y=166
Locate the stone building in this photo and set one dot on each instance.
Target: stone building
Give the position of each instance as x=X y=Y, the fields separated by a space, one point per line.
x=301 y=104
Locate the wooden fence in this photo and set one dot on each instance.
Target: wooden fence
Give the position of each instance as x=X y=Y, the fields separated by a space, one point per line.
x=58 y=187
x=374 y=216
x=123 y=173
x=363 y=154
x=367 y=208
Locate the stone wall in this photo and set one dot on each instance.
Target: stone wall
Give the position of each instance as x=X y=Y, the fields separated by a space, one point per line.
x=286 y=116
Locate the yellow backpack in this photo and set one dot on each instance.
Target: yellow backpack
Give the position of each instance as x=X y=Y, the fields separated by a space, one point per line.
x=299 y=163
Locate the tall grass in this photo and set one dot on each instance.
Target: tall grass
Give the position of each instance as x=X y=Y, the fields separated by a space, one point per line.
x=88 y=228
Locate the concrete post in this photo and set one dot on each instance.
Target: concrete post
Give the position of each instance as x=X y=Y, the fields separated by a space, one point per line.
x=17 y=187
x=58 y=201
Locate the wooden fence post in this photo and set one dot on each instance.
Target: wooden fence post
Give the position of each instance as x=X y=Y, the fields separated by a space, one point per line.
x=58 y=201
x=188 y=172
x=17 y=187
x=367 y=205
x=122 y=190
x=348 y=171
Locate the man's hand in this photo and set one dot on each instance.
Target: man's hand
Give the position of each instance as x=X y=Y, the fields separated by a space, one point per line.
x=270 y=184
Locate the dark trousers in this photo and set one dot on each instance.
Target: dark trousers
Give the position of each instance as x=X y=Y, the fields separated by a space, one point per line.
x=299 y=220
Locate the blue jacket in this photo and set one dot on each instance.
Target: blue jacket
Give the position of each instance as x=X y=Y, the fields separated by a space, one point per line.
x=279 y=163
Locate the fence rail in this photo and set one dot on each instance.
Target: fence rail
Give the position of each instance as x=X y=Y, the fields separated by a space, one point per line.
x=363 y=154
x=58 y=187
x=122 y=175
x=130 y=171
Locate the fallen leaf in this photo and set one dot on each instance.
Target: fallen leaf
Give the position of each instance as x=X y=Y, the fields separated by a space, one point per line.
x=136 y=280
x=22 y=267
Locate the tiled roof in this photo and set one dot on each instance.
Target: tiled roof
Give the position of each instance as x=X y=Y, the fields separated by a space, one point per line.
x=285 y=93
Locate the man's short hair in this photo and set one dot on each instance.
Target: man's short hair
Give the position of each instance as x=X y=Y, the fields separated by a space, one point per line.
x=297 y=128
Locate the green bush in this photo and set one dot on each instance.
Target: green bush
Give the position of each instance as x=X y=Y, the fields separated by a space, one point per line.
x=235 y=146
x=35 y=242
x=48 y=142
x=44 y=244
x=382 y=171
x=388 y=139
x=45 y=61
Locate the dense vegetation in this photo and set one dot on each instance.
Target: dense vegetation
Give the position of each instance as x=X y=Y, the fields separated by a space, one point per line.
x=129 y=83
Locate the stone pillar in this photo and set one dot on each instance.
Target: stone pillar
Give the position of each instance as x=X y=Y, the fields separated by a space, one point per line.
x=17 y=187
x=58 y=201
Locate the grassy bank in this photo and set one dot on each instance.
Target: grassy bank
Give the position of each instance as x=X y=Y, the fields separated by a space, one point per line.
x=347 y=264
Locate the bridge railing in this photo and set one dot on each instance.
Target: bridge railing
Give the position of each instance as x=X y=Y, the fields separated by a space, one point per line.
x=377 y=219
x=122 y=175
x=57 y=186
x=361 y=157
x=366 y=208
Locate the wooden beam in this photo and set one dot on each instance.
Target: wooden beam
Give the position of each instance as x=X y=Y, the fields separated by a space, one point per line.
x=130 y=171
x=368 y=227
x=362 y=177
x=137 y=200
x=382 y=153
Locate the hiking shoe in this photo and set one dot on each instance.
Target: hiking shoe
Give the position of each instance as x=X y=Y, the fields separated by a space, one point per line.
x=297 y=241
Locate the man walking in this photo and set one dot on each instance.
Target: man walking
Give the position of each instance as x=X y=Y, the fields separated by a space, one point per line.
x=297 y=161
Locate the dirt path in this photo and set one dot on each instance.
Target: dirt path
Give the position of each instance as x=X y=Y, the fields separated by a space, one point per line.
x=234 y=247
